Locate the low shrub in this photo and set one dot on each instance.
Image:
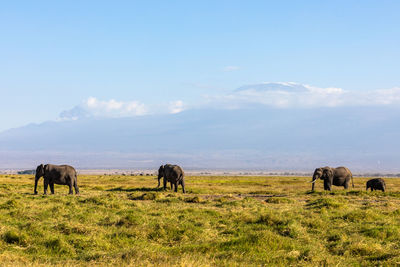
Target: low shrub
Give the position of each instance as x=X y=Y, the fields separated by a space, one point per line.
x=13 y=237
x=325 y=203
x=194 y=199
x=146 y=196
x=278 y=200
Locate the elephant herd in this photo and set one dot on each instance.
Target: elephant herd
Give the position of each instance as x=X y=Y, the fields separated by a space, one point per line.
x=67 y=175
x=341 y=176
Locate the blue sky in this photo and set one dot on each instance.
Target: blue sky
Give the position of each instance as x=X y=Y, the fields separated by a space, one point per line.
x=56 y=55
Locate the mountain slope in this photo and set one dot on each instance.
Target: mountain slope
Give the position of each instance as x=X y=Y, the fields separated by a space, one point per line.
x=258 y=137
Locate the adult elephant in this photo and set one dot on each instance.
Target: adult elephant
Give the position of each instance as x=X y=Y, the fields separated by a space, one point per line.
x=173 y=174
x=339 y=176
x=57 y=174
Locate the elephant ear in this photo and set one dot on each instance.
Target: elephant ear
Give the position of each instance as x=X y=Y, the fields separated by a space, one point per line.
x=317 y=174
x=39 y=168
x=161 y=169
x=46 y=168
x=328 y=173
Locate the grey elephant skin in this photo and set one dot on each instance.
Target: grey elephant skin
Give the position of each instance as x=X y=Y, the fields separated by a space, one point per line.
x=339 y=176
x=56 y=174
x=376 y=184
x=173 y=174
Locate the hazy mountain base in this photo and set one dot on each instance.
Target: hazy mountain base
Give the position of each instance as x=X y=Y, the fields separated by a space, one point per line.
x=125 y=220
x=228 y=161
x=361 y=138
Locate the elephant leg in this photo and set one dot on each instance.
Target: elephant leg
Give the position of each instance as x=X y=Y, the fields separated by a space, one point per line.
x=52 y=188
x=176 y=186
x=165 y=183
x=346 y=185
x=330 y=183
x=46 y=184
x=183 y=186
x=70 y=185
x=172 y=185
x=70 y=190
x=327 y=185
x=76 y=188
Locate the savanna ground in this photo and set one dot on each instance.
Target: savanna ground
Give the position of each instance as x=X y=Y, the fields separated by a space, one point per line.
x=222 y=220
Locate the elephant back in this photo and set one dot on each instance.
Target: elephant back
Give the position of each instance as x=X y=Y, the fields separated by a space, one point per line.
x=173 y=173
x=60 y=170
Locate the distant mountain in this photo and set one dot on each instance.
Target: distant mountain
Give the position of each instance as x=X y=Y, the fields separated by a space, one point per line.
x=259 y=137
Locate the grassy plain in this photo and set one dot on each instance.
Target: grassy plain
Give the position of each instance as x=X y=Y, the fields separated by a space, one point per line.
x=222 y=220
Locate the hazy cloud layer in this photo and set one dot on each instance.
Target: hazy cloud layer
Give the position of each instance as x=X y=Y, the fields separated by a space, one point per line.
x=94 y=107
x=294 y=95
x=230 y=68
x=271 y=94
x=114 y=108
x=176 y=107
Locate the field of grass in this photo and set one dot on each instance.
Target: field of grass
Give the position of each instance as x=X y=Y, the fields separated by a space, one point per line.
x=222 y=220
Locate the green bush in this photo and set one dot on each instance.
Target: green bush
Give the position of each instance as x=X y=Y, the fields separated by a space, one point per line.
x=325 y=203
x=278 y=200
x=12 y=237
x=194 y=199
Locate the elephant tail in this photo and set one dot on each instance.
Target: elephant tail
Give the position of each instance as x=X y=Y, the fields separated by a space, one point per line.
x=76 y=179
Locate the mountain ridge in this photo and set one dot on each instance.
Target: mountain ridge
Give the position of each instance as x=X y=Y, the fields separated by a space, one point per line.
x=257 y=137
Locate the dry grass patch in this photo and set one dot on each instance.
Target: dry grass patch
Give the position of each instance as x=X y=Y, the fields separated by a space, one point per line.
x=222 y=220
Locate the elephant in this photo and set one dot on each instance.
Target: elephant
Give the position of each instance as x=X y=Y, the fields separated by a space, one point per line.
x=173 y=174
x=56 y=174
x=376 y=184
x=339 y=176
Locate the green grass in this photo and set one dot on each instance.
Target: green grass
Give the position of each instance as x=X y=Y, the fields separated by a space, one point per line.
x=222 y=220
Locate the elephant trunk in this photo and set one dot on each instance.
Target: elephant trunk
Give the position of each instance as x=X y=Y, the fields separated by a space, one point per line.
x=313 y=182
x=159 y=178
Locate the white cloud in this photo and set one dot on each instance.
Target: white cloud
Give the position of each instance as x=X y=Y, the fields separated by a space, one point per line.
x=112 y=108
x=385 y=96
x=176 y=107
x=94 y=107
x=282 y=95
x=272 y=94
x=114 y=105
x=230 y=68
x=290 y=95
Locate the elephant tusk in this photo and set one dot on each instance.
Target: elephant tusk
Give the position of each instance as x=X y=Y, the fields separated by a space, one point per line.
x=313 y=181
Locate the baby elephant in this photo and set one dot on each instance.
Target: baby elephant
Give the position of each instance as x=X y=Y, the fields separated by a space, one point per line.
x=376 y=184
